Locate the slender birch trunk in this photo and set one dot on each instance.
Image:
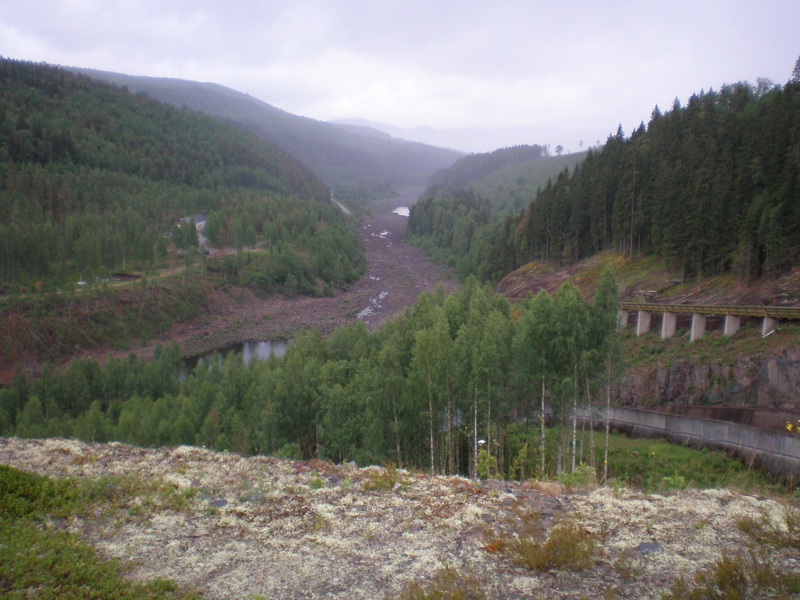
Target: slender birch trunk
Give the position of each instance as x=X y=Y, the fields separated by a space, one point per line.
x=450 y=458
x=608 y=419
x=397 y=435
x=475 y=433
x=574 y=419
x=542 y=447
x=430 y=420
x=592 y=460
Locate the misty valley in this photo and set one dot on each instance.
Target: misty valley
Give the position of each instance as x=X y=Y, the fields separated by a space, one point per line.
x=256 y=355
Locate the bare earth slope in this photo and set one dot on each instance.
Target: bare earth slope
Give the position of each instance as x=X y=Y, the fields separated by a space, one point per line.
x=648 y=280
x=288 y=530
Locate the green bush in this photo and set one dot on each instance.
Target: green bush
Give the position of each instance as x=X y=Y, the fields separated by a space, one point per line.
x=25 y=495
x=37 y=562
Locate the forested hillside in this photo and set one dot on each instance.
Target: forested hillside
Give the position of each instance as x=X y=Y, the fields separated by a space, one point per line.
x=94 y=179
x=511 y=188
x=354 y=162
x=710 y=187
x=423 y=390
x=475 y=166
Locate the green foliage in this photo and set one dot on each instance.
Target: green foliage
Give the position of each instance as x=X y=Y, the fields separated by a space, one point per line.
x=511 y=188
x=448 y=229
x=583 y=476
x=392 y=397
x=643 y=463
x=26 y=495
x=655 y=464
x=358 y=163
x=469 y=169
x=56 y=564
x=487 y=464
x=94 y=180
x=59 y=565
x=383 y=479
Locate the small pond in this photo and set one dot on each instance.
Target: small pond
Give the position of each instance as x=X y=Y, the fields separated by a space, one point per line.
x=248 y=350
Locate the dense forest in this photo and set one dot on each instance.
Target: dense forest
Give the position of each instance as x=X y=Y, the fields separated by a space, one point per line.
x=711 y=187
x=423 y=391
x=511 y=187
x=357 y=163
x=94 y=179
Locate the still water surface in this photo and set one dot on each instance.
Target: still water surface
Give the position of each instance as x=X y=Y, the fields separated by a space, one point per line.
x=248 y=350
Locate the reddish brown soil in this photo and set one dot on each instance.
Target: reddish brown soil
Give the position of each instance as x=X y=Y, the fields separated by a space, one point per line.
x=396 y=274
x=651 y=282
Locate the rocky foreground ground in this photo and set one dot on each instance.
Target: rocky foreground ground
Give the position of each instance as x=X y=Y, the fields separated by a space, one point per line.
x=237 y=527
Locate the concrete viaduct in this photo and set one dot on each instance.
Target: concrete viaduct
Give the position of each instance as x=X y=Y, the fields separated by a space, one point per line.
x=732 y=315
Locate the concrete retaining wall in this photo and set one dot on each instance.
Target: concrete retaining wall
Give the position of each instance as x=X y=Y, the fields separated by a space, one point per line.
x=774 y=419
x=778 y=453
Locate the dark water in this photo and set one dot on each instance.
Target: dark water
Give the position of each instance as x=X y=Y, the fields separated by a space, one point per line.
x=248 y=350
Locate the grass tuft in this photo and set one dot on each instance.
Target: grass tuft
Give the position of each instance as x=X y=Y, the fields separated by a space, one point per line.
x=737 y=578
x=447 y=584
x=526 y=542
x=383 y=479
x=764 y=531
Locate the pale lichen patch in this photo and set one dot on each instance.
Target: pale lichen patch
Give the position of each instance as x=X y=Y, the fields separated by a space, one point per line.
x=264 y=526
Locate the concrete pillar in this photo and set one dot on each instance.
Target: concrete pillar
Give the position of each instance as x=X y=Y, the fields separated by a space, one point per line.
x=768 y=324
x=698 y=327
x=622 y=319
x=643 y=322
x=669 y=324
x=732 y=324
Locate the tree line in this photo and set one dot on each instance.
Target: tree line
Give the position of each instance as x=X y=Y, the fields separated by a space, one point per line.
x=710 y=187
x=455 y=384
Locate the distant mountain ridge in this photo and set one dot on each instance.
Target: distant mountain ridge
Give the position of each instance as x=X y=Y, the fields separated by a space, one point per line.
x=355 y=163
x=481 y=139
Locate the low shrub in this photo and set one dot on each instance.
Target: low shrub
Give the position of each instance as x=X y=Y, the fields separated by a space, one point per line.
x=737 y=578
x=447 y=584
x=39 y=562
x=763 y=530
x=525 y=541
x=26 y=495
x=383 y=479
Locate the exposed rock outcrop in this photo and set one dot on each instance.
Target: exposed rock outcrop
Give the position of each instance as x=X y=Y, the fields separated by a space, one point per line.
x=760 y=381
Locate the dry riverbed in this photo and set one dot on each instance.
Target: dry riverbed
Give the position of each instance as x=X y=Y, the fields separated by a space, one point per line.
x=237 y=527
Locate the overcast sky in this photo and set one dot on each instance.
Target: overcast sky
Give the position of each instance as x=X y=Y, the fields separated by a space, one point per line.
x=539 y=72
